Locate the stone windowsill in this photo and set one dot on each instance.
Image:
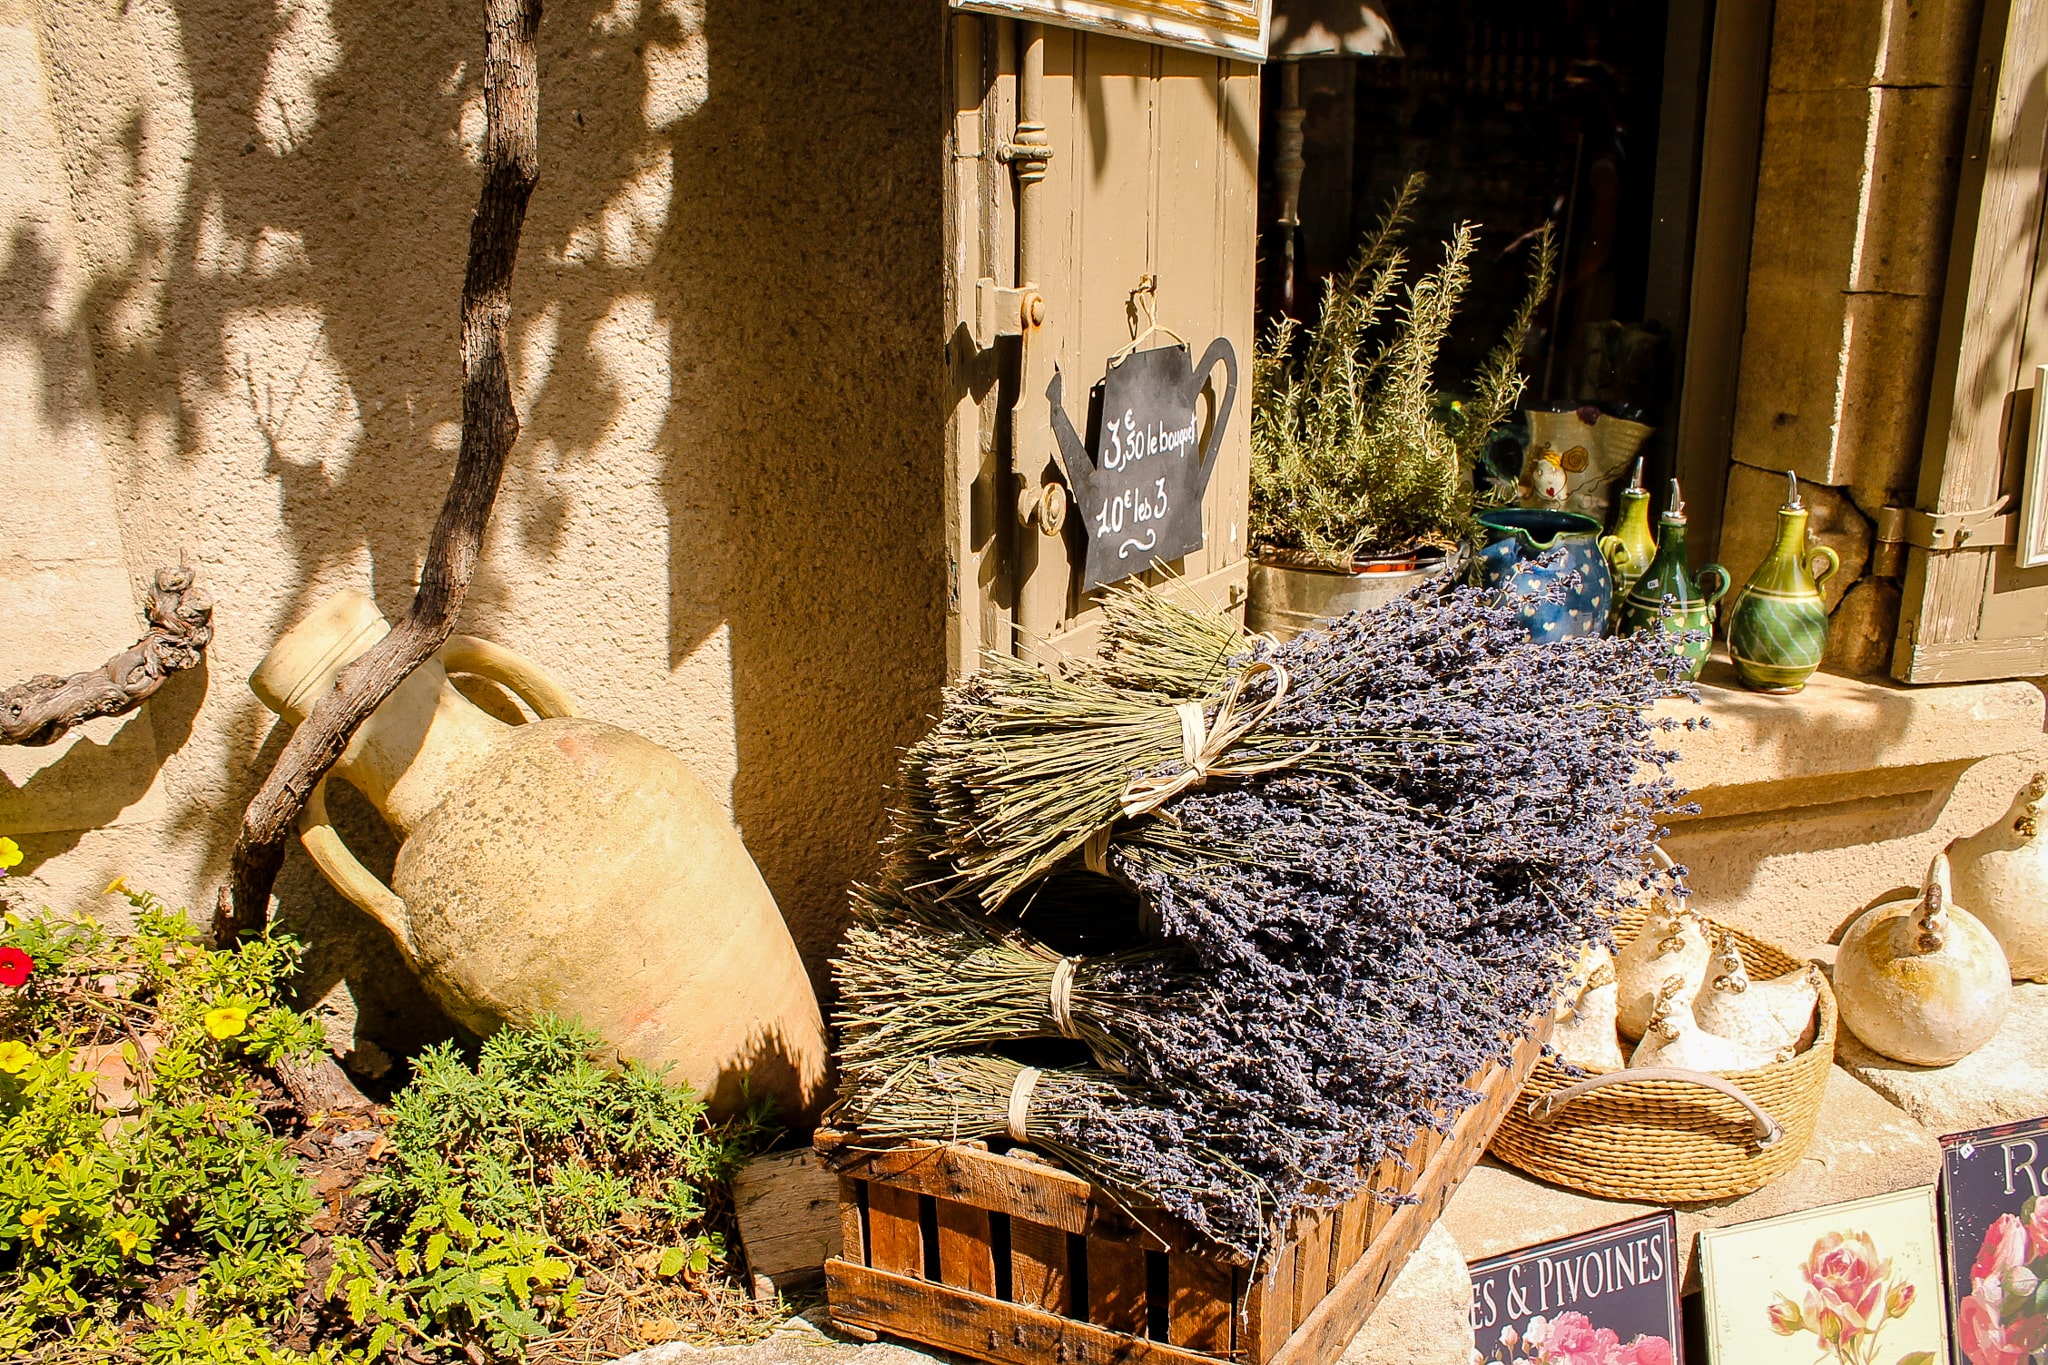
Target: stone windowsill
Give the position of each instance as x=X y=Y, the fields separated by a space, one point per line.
x=1837 y=729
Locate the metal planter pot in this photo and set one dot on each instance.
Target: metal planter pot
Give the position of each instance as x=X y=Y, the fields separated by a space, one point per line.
x=1288 y=598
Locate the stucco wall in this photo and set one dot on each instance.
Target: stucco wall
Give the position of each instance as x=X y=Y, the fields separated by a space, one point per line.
x=234 y=240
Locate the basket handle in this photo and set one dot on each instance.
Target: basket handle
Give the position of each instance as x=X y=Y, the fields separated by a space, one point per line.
x=1768 y=1129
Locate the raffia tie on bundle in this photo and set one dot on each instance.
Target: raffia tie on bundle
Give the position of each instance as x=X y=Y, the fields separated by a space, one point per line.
x=1017 y=1123
x=1203 y=744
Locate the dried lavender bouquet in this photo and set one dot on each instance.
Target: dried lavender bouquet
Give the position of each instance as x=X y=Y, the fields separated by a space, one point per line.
x=1304 y=1068
x=1131 y=1142
x=1369 y=923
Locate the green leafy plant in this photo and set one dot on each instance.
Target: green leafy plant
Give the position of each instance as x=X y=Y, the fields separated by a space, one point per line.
x=1355 y=449
x=131 y=1140
x=519 y=1180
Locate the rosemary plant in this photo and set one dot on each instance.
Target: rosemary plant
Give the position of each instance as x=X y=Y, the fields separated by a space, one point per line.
x=1355 y=450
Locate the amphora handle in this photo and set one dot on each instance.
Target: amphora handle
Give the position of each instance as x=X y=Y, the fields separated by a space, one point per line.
x=521 y=676
x=1816 y=557
x=1721 y=576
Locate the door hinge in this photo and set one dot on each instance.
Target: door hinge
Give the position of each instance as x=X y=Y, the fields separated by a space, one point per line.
x=1981 y=528
x=1000 y=312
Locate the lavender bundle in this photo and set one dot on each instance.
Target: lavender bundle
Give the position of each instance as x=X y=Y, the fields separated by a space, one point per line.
x=917 y=979
x=1427 y=813
x=1122 y=1137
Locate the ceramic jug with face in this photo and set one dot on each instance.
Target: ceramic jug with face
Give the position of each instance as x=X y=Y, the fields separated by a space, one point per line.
x=563 y=866
x=1589 y=450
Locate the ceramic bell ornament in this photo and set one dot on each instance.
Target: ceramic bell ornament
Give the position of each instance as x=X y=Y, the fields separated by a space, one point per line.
x=1674 y=1038
x=2001 y=873
x=1778 y=627
x=1922 y=981
x=1670 y=598
x=1584 y=1033
x=1773 y=1014
x=1672 y=947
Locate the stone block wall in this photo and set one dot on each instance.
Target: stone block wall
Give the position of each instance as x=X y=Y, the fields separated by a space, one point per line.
x=1862 y=140
x=234 y=240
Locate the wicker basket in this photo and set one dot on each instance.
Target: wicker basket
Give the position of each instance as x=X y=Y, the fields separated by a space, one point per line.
x=1674 y=1141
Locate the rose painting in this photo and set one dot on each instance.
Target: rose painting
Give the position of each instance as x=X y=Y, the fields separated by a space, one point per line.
x=1850 y=1284
x=1995 y=1207
x=1608 y=1297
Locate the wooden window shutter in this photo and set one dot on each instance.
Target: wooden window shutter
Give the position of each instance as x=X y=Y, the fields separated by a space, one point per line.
x=1970 y=610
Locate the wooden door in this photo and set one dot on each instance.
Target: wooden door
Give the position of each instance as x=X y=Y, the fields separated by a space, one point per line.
x=1971 y=610
x=1152 y=172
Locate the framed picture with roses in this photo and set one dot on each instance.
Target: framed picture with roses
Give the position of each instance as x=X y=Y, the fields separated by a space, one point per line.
x=1994 y=1204
x=1849 y=1284
x=1606 y=1297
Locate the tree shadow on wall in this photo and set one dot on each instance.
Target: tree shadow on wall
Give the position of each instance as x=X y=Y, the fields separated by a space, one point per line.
x=727 y=299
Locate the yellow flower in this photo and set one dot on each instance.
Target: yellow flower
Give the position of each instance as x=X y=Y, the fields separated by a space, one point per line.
x=55 y=1164
x=10 y=853
x=226 y=1021
x=116 y=887
x=14 y=1056
x=35 y=1220
x=125 y=1239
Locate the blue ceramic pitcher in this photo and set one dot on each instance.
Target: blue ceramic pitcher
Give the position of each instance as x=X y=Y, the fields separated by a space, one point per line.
x=1519 y=542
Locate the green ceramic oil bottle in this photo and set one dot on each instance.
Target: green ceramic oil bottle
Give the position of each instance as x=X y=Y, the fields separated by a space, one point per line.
x=1778 y=627
x=1631 y=547
x=1670 y=578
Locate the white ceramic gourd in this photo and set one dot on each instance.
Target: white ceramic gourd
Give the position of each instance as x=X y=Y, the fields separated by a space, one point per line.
x=1675 y=1039
x=2001 y=873
x=1922 y=981
x=1584 y=1033
x=1672 y=947
x=1777 y=1013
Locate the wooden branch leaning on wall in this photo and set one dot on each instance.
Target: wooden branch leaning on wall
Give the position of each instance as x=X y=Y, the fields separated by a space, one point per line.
x=43 y=709
x=489 y=427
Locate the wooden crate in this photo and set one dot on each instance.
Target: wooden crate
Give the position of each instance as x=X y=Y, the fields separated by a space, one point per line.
x=1010 y=1259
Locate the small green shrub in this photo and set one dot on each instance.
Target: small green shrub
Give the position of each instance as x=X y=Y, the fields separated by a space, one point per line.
x=149 y=1215
x=130 y=1134
x=513 y=1181
x=1355 y=451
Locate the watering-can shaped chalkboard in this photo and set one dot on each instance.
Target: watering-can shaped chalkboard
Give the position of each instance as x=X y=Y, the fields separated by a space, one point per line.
x=1137 y=486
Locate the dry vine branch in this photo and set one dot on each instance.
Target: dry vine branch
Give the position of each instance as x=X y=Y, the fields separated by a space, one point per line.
x=43 y=709
x=489 y=427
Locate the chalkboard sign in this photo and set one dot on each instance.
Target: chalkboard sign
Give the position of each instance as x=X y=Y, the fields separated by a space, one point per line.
x=1136 y=487
x=1994 y=1215
x=1609 y=1295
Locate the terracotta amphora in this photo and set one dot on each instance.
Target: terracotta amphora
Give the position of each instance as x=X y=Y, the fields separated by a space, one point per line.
x=564 y=866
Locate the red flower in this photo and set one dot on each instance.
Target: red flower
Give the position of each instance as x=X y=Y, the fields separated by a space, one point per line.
x=2005 y=1246
x=1644 y=1351
x=15 y=965
x=2037 y=1229
x=1849 y=1286
x=1985 y=1340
